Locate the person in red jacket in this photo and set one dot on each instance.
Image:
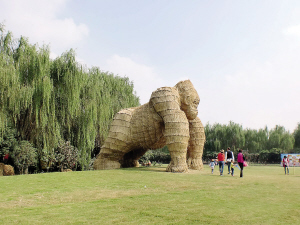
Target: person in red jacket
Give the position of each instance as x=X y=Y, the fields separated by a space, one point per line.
x=5 y=158
x=221 y=160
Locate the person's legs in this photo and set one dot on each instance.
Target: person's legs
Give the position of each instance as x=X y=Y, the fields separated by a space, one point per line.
x=241 y=166
x=288 y=170
x=222 y=167
x=229 y=166
x=232 y=171
x=284 y=170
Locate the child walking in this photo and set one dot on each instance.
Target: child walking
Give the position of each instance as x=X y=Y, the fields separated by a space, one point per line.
x=212 y=166
x=232 y=168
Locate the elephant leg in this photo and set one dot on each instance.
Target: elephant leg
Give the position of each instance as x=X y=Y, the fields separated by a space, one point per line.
x=196 y=144
x=131 y=158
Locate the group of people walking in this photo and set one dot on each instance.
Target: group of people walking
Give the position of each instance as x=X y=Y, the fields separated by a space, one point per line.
x=228 y=157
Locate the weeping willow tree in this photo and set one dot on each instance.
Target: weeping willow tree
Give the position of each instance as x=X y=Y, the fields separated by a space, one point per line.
x=53 y=100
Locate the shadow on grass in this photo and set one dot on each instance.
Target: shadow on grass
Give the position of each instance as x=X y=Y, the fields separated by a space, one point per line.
x=156 y=169
x=146 y=169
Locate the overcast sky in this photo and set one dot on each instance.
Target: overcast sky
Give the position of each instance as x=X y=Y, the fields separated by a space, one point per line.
x=242 y=56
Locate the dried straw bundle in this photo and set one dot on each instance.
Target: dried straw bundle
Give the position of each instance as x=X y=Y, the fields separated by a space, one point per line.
x=6 y=170
x=196 y=144
x=165 y=120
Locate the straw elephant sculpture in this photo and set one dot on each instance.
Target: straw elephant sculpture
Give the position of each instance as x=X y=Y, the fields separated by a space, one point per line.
x=169 y=118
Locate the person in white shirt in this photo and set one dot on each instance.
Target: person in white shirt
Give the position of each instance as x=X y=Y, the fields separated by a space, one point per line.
x=285 y=164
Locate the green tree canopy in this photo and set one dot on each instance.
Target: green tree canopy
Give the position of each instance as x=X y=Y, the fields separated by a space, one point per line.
x=52 y=100
x=297 y=136
x=280 y=138
x=233 y=135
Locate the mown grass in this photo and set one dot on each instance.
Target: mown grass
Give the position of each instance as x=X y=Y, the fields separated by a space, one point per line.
x=152 y=196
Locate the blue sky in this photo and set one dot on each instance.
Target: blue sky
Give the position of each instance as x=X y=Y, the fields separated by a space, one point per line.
x=242 y=56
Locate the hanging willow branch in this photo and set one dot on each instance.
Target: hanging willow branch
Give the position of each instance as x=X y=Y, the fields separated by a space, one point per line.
x=52 y=100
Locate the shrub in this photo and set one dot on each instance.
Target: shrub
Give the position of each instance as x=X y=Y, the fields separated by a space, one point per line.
x=208 y=156
x=157 y=156
x=270 y=156
x=24 y=155
x=253 y=157
x=7 y=142
x=47 y=159
x=66 y=156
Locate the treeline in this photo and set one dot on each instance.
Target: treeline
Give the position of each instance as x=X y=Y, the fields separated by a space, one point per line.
x=54 y=114
x=261 y=145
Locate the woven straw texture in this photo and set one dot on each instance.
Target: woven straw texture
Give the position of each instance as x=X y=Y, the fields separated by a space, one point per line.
x=169 y=118
x=6 y=170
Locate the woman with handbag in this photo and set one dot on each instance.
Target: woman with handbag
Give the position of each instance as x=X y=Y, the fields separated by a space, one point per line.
x=241 y=160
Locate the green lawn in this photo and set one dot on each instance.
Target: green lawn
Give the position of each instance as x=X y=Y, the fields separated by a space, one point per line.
x=152 y=196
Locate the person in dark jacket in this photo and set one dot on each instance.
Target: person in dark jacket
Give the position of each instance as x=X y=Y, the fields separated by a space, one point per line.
x=228 y=158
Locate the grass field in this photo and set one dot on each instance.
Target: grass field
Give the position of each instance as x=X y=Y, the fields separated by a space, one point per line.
x=152 y=196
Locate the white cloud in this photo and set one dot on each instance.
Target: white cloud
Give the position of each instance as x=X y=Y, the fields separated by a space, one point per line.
x=259 y=94
x=53 y=55
x=38 y=20
x=180 y=79
x=292 y=30
x=144 y=78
